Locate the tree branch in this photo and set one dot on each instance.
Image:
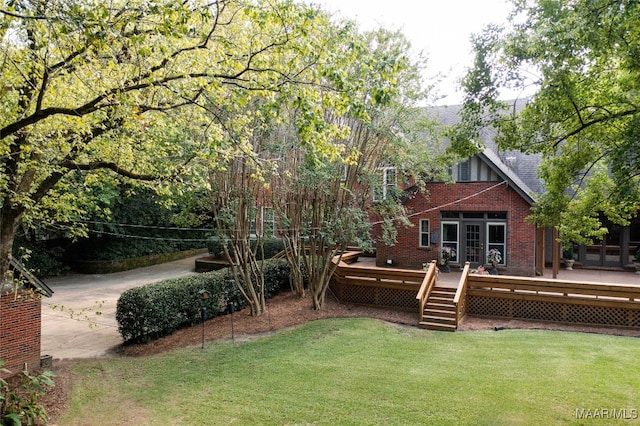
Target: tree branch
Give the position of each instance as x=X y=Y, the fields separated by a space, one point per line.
x=588 y=124
x=71 y=165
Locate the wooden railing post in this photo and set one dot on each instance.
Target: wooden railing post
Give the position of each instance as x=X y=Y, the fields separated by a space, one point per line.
x=427 y=285
x=460 y=299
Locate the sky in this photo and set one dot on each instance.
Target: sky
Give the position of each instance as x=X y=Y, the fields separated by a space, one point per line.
x=441 y=29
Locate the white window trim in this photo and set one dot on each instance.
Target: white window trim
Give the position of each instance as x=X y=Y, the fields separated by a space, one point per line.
x=384 y=189
x=457 y=241
x=504 y=245
x=423 y=231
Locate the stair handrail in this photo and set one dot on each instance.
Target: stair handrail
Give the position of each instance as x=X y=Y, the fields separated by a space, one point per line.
x=460 y=298
x=427 y=285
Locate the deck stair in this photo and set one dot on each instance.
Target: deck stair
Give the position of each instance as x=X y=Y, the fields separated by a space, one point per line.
x=439 y=311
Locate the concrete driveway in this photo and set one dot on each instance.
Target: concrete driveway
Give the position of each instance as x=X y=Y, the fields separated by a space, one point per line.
x=70 y=326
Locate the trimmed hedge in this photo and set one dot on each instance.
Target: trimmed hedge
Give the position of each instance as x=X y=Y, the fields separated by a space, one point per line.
x=149 y=312
x=271 y=246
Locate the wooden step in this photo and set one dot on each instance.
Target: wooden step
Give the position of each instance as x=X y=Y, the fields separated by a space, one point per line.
x=436 y=305
x=441 y=293
x=443 y=288
x=439 y=320
x=446 y=313
x=437 y=326
x=439 y=299
x=439 y=311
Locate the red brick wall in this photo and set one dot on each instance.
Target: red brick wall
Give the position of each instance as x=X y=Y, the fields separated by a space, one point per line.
x=521 y=235
x=20 y=330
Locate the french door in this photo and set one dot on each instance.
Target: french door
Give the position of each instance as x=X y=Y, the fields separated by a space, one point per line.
x=473 y=238
x=473 y=242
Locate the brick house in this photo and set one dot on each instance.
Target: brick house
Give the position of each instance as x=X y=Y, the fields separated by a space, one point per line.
x=20 y=321
x=488 y=202
x=484 y=209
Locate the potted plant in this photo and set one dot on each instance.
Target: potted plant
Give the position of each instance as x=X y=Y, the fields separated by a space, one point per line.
x=567 y=256
x=494 y=257
x=636 y=261
x=446 y=254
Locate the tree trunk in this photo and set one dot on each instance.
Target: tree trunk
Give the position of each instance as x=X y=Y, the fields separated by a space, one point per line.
x=8 y=226
x=247 y=269
x=293 y=253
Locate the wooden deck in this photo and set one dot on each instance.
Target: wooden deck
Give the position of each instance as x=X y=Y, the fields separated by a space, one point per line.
x=442 y=300
x=359 y=283
x=562 y=301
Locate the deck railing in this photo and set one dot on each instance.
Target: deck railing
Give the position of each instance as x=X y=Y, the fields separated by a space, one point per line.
x=496 y=296
x=553 y=300
x=377 y=287
x=428 y=283
x=460 y=298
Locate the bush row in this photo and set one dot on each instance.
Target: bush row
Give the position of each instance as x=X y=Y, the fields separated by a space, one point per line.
x=272 y=246
x=155 y=310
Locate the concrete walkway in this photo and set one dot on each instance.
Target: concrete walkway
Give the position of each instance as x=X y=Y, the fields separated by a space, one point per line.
x=70 y=326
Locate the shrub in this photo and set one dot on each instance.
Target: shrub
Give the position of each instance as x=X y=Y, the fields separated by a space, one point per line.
x=19 y=397
x=38 y=257
x=140 y=225
x=155 y=310
x=271 y=246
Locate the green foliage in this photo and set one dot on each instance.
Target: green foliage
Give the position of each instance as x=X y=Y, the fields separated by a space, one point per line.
x=582 y=59
x=152 y=311
x=140 y=224
x=567 y=252
x=271 y=247
x=20 y=395
x=94 y=94
x=40 y=257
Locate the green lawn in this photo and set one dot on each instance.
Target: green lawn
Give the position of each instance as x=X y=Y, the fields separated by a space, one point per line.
x=363 y=372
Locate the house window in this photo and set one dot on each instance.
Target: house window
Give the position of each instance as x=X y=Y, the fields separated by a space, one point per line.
x=464 y=171
x=424 y=233
x=268 y=222
x=264 y=225
x=497 y=239
x=450 y=238
x=388 y=183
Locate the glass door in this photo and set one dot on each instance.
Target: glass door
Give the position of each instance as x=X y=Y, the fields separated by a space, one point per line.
x=606 y=252
x=473 y=242
x=450 y=239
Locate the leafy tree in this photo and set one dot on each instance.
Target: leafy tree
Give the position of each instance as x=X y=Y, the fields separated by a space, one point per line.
x=252 y=132
x=321 y=199
x=237 y=186
x=105 y=90
x=583 y=58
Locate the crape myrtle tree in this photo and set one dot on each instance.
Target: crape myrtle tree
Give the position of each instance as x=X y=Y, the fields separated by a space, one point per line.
x=237 y=182
x=95 y=90
x=251 y=127
x=321 y=200
x=583 y=60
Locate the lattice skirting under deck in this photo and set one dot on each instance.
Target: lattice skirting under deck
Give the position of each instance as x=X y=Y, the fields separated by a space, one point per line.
x=379 y=297
x=552 y=311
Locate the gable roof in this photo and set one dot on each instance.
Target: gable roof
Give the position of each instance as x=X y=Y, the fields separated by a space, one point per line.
x=19 y=270
x=515 y=167
x=505 y=172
